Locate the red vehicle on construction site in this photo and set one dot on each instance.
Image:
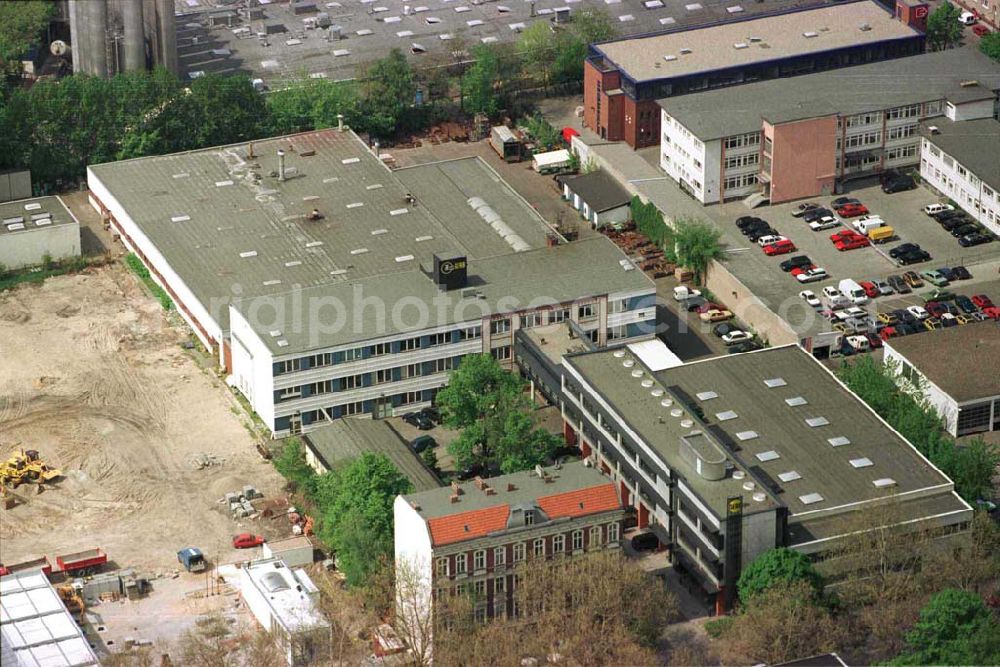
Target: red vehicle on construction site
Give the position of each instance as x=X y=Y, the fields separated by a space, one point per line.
x=42 y=564
x=247 y=541
x=82 y=563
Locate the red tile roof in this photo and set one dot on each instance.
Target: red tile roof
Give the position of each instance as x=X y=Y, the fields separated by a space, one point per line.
x=468 y=525
x=581 y=502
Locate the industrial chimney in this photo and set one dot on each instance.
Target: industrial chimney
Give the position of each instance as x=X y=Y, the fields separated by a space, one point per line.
x=96 y=36
x=168 y=35
x=135 y=38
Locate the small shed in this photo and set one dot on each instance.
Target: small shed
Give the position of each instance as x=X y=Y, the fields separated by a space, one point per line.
x=552 y=162
x=598 y=197
x=505 y=143
x=295 y=551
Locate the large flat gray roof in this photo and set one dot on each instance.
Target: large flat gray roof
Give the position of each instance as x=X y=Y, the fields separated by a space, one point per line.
x=766 y=435
x=227 y=224
x=17 y=216
x=875 y=86
x=342 y=440
x=963 y=361
x=974 y=143
x=766 y=38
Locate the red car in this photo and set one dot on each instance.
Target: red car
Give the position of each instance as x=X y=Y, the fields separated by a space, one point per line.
x=870 y=290
x=852 y=243
x=992 y=312
x=979 y=30
x=874 y=341
x=779 y=248
x=982 y=301
x=802 y=269
x=704 y=308
x=852 y=210
x=935 y=308
x=247 y=541
x=888 y=332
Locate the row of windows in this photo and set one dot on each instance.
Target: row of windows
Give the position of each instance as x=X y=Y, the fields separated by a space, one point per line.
x=862 y=139
x=742 y=181
x=746 y=160
x=383 y=376
x=902 y=132
x=458 y=564
x=740 y=140
x=901 y=152
x=376 y=350
x=911 y=111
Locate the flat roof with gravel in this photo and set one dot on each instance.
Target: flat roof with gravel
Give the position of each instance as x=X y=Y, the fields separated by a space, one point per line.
x=958 y=75
x=28 y=215
x=963 y=361
x=755 y=40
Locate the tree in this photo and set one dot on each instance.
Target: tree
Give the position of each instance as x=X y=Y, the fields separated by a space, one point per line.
x=777 y=566
x=696 y=244
x=593 y=25
x=21 y=24
x=498 y=427
x=356 y=516
x=955 y=628
x=535 y=45
x=290 y=462
x=389 y=89
x=990 y=45
x=943 y=28
x=481 y=83
x=780 y=624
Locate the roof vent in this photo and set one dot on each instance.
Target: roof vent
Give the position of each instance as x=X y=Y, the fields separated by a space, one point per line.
x=667 y=402
x=864 y=27
x=759 y=497
x=970 y=83
x=248 y=253
x=749 y=486
x=656 y=391
x=637 y=373
x=884 y=483
x=796 y=400
x=863 y=462
x=180 y=218
x=770 y=455
x=775 y=382
x=754 y=40
x=282 y=343
x=746 y=435
x=670 y=58
x=628 y=363
x=934 y=129
x=811 y=498
x=421 y=239
x=647 y=383
x=741 y=45
x=839 y=441
x=618 y=354
x=810 y=34
x=789 y=476
x=685 y=51
x=676 y=412
x=706 y=395
x=687 y=423
x=739 y=474
x=725 y=416
x=817 y=421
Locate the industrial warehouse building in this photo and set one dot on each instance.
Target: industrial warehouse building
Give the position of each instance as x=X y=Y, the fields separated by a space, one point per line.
x=624 y=78
x=960 y=160
x=726 y=458
x=793 y=138
x=331 y=286
x=966 y=395
x=35 y=229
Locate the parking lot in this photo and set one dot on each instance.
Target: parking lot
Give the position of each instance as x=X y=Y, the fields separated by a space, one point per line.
x=369 y=28
x=902 y=211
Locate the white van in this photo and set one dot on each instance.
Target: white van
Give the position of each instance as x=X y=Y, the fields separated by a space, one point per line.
x=866 y=223
x=859 y=343
x=967 y=18
x=834 y=298
x=853 y=291
x=932 y=209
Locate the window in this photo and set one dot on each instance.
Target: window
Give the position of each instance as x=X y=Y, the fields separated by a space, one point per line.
x=381 y=348
x=411 y=371
x=864 y=139
x=596 y=538
x=741 y=140
x=353 y=409
x=901 y=152
x=499 y=556
x=617 y=306
x=499 y=326
x=351 y=382
x=382 y=376
x=479 y=560
x=864 y=119
x=479 y=588
x=499 y=585
x=538 y=548
x=613 y=532
x=289 y=393
x=411 y=397
x=745 y=160
x=560 y=315
x=529 y=518
x=904 y=112
x=743 y=181
x=461 y=563
x=501 y=353
x=409 y=344
x=901 y=132
x=558 y=543
x=973 y=418
x=441 y=567
x=519 y=550
x=532 y=320
x=286 y=366
x=934 y=150
x=933 y=108
x=355 y=354
x=577 y=540
x=324 y=387
x=617 y=333
x=585 y=311
x=320 y=360
x=440 y=338
x=471 y=333
x=442 y=365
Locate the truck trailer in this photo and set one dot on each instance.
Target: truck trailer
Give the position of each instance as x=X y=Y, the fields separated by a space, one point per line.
x=82 y=563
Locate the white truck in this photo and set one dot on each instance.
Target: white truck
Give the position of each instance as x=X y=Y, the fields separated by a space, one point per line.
x=853 y=291
x=683 y=293
x=866 y=223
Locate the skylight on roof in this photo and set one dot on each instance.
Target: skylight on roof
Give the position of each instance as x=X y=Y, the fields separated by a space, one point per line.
x=181 y=175
x=222 y=184
x=269 y=283
x=789 y=476
x=11 y=221
x=399 y=211
x=811 y=498
x=180 y=218
x=282 y=343
x=810 y=34
x=741 y=45
x=34 y=206
x=310 y=198
x=863 y=462
x=357 y=204
x=725 y=416
x=275 y=333
x=43 y=221
x=706 y=395
x=374 y=186
x=746 y=435
x=15 y=227
x=817 y=421
x=350 y=160
x=359 y=251
x=338 y=272
x=379 y=232
x=404 y=258
x=421 y=239
x=769 y=455
x=884 y=483
x=292 y=263
x=332 y=179
x=795 y=401
x=314 y=244
x=839 y=441
x=775 y=382
x=248 y=253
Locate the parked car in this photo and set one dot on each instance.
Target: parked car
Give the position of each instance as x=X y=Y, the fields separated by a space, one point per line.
x=794 y=262
x=247 y=541
x=811 y=275
x=918 y=312
x=966 y=230
x=884 y=288
x=736 y=337
x=899 y=184
x=758 y=232
x=782 y=247
x=899 y=284
x=961 y=273
x=709 y=305
x=887 y=318
x=804 y=208
x=823 y=223
x=852 y=210
x=905 y=316
x=902 y=249
x=432 y=412
x=948 y=274
x=816 y=214
x=979 y=30
x=936 y=308
x=914 y=257
x=965 y=303
x=934 y=278
x=982 y=301
x=418 y=419
x=471 y=471
x=974 y=239
x=422 y=442
x=745 y=346
x=715 y=315
x=938 y=294
x=933 y=209
x=769 y=238
x=913 y=279
x=844 y=201
x=683 y=292
x=645 y=542
x=722 y=329
x=747 y=220
x=835 y=297
x=694 y=303
x=810 y=298
x=948 y=213
x=954 y=222
x=968 y=18
x=871 y=291
x=852 y=243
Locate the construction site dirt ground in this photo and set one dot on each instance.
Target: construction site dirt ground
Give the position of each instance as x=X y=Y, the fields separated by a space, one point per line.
x=93 y=376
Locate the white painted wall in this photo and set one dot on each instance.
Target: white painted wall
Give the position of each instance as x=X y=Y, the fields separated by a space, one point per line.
x=683 y=157
x=969 y=110
x=943 y=404
x=615 y=215
x=159 y=262
x=29 y=246
x=941 y=171
x=253 y=370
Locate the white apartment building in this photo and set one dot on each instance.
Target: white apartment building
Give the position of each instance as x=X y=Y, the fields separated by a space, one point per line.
x=962 y=162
